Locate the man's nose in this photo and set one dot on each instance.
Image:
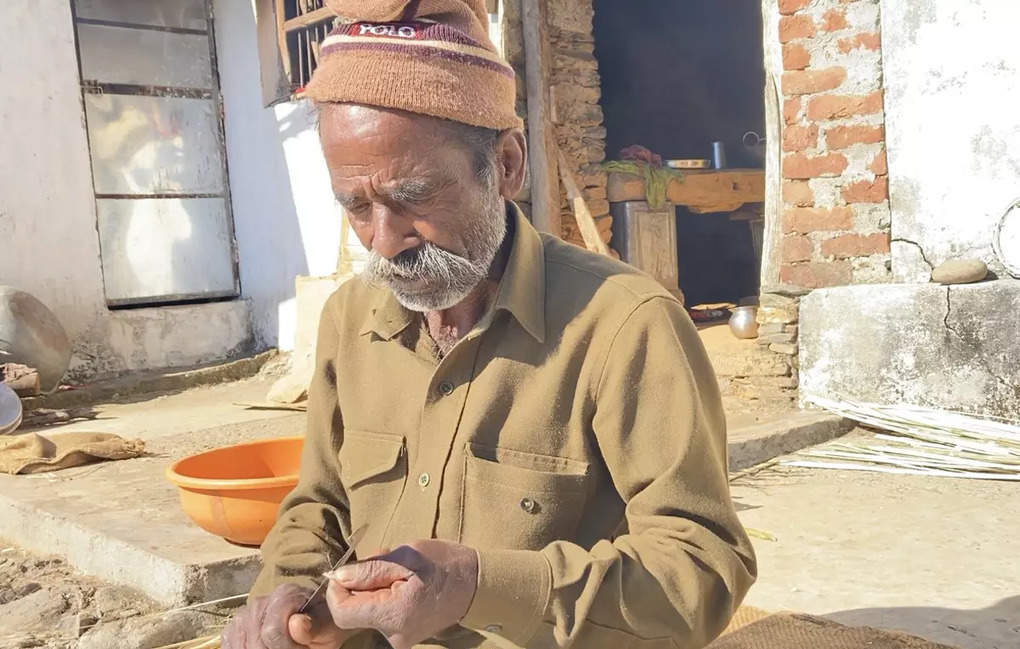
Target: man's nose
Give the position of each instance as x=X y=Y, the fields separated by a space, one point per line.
x=392 y=233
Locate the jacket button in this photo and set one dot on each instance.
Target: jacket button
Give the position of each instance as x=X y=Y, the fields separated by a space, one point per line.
x=494 y=628
x=529 y=505
x=446 y=388
x=423 y=480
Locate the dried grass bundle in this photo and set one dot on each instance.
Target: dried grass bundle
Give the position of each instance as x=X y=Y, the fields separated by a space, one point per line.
x=923 y=441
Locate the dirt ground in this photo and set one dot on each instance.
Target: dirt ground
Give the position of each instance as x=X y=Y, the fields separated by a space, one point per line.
x=44 y=603
x=935 y=557
x=747 y=400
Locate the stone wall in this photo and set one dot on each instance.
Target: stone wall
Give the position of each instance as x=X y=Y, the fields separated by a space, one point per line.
x=574 y=88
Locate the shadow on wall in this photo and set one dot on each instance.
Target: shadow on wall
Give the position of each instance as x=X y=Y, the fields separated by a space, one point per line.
x=995 y=627
x=270 y=246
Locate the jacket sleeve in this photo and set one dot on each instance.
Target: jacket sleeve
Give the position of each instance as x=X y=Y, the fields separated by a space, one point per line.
x=682 y=567
x=315 y=517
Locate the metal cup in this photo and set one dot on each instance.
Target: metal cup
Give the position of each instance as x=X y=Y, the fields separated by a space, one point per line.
x=718 y=155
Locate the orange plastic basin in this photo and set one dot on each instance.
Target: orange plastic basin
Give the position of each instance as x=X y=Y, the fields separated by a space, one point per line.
x=235 y=491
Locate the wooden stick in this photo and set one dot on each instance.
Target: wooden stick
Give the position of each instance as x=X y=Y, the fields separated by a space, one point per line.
x=545 y=188
x=589 y=231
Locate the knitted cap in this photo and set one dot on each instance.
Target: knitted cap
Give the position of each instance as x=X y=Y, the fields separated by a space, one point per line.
x=432 y=57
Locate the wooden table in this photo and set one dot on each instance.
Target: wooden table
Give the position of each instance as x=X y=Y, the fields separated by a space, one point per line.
x=700 y=191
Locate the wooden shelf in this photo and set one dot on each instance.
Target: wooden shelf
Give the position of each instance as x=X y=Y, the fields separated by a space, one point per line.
x=701 y=190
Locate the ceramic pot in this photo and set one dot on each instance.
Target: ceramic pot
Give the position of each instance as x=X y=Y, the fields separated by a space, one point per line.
x=744 y=322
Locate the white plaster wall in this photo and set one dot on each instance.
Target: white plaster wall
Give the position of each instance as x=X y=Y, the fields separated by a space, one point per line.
x=286 y=220
x=47 y=209
x=952 y=79
x=47 y=212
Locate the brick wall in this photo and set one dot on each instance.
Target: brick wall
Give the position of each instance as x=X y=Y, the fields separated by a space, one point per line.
x=834 y=215
x=835 y=207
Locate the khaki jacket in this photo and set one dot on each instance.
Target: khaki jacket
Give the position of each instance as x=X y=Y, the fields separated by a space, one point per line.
x=575 y=438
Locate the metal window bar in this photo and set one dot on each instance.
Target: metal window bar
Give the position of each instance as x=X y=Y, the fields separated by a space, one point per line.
x=302 y=26
x=92 y=86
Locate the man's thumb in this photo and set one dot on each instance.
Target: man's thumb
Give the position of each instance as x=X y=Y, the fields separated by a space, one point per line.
x=302 y=629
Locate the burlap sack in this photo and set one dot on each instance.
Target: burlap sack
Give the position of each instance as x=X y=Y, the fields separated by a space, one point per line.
x=32 y=453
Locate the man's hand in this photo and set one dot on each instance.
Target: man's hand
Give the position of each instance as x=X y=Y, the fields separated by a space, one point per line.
x=273 y=622
x=409 y=594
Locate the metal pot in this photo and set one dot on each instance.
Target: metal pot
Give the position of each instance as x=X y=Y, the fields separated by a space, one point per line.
x=10 y=410
x=744 y=322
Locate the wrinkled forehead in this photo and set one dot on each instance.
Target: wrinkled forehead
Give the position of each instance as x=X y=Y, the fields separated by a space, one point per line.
x=381 y=146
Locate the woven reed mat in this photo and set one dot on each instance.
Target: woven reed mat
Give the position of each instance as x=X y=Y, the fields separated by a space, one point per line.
x=755 y=629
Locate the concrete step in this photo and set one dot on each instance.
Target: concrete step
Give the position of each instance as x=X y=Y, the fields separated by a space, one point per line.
x=122 y=522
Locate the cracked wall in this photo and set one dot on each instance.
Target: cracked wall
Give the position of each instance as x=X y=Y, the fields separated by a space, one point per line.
x=952 y=128
x=922 y=344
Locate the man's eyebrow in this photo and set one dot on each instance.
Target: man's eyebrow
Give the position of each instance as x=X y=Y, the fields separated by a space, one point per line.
x=413 y=190
x=346 y=200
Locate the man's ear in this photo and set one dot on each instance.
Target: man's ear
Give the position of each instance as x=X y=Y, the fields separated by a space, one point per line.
x=512 y=154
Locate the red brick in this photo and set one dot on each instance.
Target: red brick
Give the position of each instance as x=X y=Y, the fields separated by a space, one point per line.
x=840 y=137
x=817 y=219
x=880 y=165
x=800 y=166
x=798 y=138
x=787 y=7
x=843 y=106
x=794 y=27
x=791 y=110
x=856 y=245
x=796 y=247
x=816 y=275
x=834 y=20
x=866 y=191
x=867 y=40
x=807 y=82
x=795 y=57
x=798 y=192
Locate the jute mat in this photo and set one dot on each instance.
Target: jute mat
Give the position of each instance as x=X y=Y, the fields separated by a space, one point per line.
x=31 y=453
x=755 y=629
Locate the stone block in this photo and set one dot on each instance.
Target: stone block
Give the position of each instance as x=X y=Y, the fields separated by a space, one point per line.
x=789 y=349
x=949 y=347
x=777 y=301
x=768 y=314
x=770 y=328
x=774 y=339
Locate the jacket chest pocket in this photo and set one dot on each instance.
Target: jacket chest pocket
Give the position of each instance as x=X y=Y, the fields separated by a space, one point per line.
x=522 y=501
x=373 y=468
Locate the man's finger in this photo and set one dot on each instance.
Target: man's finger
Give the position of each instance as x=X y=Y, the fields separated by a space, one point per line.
x=373 y=574
x=311 y=628
x=275 y=632
x=358 y=613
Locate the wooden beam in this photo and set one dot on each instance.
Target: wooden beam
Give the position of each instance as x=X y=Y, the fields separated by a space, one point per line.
x=545 y=185
x=281 y=39
x=585 y=223
x=309 y=19
x=700 y=191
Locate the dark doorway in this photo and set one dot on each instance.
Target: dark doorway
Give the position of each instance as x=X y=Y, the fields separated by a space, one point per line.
x=678 y=75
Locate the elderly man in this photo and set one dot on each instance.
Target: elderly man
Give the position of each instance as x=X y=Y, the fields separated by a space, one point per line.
x=532 y=432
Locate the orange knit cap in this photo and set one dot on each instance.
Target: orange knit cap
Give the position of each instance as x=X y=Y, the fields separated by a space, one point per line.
x=432 y=57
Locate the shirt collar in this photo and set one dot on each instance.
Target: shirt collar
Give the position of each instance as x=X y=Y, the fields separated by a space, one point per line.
x=521 y=290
